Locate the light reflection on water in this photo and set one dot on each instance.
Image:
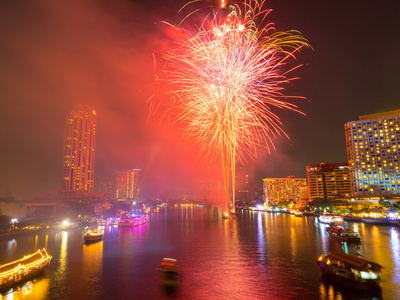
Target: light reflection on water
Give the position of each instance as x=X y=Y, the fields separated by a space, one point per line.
x=257 y=255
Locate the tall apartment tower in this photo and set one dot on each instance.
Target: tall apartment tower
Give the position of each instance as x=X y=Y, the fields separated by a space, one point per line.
x=329 y=181
x=79 y=149
x=127 y=184
x=283 y=189
x=373 y=148
x=244 y=183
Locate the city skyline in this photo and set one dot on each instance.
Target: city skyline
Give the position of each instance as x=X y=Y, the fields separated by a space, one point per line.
x=103 y=58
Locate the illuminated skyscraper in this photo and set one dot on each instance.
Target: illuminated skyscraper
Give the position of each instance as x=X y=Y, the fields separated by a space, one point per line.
x=328 y=181
x=373 y=147
x=79 y=149
x=283 y=189
x=127 y=184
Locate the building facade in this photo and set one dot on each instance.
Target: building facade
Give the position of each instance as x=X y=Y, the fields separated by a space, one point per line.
x=79 y=149
x=127 y=184
x=373 y=147
x=329 y=181
x=283 y=189
x=244 y=183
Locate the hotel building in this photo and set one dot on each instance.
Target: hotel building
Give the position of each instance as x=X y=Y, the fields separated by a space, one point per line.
x=79 y=149
x=127 y=184
x=283 y=189
x=329 y=181
x=373 y=147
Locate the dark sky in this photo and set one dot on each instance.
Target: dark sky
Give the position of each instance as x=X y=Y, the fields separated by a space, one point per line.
x=55 y=54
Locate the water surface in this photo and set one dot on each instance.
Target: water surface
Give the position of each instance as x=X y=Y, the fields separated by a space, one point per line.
x=257 y=256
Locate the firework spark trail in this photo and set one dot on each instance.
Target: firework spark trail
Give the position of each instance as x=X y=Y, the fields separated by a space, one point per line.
x=224 y=77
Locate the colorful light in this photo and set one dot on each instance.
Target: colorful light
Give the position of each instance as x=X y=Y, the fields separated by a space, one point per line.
x=224 y=76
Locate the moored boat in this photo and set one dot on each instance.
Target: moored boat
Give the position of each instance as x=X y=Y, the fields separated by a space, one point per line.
x=382 y=221
x=24 y=268
x=343 y=234
x=298 y=214
x=352 y=219
x=93 y=235
x=350 y=271
x=326 y=219
x=133 y=221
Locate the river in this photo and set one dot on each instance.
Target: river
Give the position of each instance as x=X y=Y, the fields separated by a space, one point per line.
x=257 y=256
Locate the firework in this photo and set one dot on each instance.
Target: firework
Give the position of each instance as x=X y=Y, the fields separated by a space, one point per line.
x=224 y=76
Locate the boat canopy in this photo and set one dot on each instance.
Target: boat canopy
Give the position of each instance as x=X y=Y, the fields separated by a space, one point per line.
x=41 y=254
x=354 y=261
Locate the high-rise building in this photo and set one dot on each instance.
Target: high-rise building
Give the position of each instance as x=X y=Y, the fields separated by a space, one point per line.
x=127 y=184
x=79 y=149
x=244 y=183
x=373 y=147
x=283 y=189
x=107 y=188
x=328 y=181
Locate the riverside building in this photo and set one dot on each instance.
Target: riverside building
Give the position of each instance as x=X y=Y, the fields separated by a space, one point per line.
x=79 y=149
x=373 y=147
x=283 y=189
x=329 y=181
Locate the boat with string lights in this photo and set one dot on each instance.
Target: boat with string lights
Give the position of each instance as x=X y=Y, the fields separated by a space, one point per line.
x=350 y=271
x=133 y=221
x=20 y=270
x=93 y=235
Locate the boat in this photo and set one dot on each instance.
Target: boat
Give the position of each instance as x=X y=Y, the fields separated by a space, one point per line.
x=350 y=271
x=133 y=221
x=308 y=213
x=93 y=235
x=352 y=219
x=326 y=219
x=101 y=222
x=381 y=221
x=169 y=272
x=23 y=269
x=343 y=234
x=225 y=215
x=298 y=214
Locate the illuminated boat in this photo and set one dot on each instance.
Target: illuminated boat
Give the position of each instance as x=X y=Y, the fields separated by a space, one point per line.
x=169 y=272
x=133 y=221
x=93 y=235
x=225 y=215
x=343 y=234
x=298 y=214
x=330 y=219
x=350 y=271
x=101 y=222
x=24 y=268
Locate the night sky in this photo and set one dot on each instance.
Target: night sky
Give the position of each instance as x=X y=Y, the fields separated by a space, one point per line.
x=55 y=54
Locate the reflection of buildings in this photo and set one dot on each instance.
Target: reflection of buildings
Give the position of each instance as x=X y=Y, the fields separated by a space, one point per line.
x=283 y=189
x=373 y=146
x=244 y=183
x=127 y=184
x=79 y=149
x=328 y=181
